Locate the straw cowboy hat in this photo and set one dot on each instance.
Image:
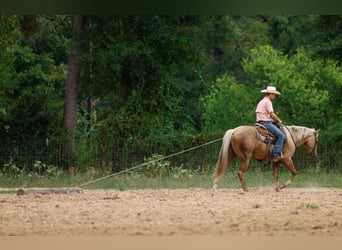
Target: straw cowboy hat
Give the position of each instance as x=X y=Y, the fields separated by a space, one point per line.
x=270 y=89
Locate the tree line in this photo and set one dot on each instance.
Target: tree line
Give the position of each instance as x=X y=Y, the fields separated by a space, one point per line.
x=152 y=78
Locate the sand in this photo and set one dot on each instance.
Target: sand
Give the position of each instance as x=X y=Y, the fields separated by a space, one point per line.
x=176 y=212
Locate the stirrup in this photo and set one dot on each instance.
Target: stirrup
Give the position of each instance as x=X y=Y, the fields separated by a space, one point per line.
x=278 y=158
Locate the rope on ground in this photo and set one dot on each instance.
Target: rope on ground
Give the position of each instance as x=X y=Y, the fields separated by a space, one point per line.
x=146 y=163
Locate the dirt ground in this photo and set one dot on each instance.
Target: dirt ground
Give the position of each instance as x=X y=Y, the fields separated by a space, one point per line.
x=178 y=212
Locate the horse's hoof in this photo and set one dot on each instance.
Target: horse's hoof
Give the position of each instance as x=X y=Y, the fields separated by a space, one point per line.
x=277 y=189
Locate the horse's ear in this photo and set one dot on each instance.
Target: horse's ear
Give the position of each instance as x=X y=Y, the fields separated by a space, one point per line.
x=317 y=130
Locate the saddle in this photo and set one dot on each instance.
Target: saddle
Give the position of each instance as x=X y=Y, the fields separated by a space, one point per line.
x=267 y=137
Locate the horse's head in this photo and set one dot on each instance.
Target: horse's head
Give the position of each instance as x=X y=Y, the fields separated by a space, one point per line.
x=310 y=143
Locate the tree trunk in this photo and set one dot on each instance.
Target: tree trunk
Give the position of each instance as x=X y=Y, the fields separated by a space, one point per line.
x=73 y=77
x=125 y=82
x=72 y=85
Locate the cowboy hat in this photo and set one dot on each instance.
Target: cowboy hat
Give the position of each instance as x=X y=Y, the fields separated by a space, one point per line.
x=270 y=89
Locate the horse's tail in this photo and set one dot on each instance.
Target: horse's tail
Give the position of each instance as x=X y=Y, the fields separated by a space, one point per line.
x=224 y=158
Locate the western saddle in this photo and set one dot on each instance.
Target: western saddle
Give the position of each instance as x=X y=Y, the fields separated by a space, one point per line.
x=267 y=137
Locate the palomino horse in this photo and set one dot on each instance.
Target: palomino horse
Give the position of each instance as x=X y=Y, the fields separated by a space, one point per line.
x=242 y=142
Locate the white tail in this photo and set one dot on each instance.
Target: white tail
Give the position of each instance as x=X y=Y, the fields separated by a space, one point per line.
x=224 y=158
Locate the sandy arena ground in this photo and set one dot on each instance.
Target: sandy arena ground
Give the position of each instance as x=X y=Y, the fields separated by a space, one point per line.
x=179 y=212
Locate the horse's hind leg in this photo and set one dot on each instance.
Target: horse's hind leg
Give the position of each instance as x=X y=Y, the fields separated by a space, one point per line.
x=289 y=165
x=244 y=163
x=221 y=167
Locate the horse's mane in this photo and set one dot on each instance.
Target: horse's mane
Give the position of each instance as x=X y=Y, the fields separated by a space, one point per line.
x=301 y=131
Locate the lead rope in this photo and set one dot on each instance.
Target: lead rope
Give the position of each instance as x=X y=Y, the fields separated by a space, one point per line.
x=146 y=163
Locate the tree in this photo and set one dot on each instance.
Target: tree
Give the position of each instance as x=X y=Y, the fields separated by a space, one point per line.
x=325 y=38
x=309 y=86
x=8 y=34
x=72 y=88
x=228 y=105
x=319 y=35
x=36 y=76
x=131 y=63
x=73 y=77
x=228 y=39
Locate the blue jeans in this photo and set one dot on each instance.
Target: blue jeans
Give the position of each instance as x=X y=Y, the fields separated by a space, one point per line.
x=276 y=131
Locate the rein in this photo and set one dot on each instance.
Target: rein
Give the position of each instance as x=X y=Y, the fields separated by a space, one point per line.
x=312 y=153
x=291 y=135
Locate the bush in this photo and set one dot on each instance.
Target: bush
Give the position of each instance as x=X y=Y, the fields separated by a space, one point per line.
x=156 y=166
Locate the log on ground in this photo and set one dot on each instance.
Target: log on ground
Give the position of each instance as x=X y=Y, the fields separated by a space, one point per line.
x=25 y=191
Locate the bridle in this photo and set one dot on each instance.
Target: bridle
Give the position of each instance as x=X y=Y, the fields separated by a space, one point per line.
x=313 y=153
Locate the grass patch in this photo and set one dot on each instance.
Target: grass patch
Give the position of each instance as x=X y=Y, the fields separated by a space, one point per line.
x=308 y=206
x=255 y=177
x=311 y=178
x=8 y=191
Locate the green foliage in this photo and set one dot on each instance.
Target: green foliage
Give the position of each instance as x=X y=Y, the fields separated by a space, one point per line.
x=35 y=86
x=42 y=169
x=289 y=32
x=318 y=35
x=8 y=36
x=37 y=108
x=324 y=38
x=309 y=87
x=159 y=81
x=156 y=166
x=255 y=177
x=228 y=40
x=307 y=206
x=135 y=78
x=11 y=168
x=39 y=169
x=227 y=105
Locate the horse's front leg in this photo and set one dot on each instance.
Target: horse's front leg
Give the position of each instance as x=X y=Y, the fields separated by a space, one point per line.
x=276 y=175
x=289 y=165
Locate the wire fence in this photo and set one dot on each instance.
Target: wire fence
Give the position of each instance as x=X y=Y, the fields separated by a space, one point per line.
x=24 y=154
x=133 y=153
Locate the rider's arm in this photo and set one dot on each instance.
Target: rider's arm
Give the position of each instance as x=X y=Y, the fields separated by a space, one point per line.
x=275 y=117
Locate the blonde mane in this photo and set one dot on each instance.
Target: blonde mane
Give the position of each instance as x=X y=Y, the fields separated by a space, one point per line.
x=300 y=133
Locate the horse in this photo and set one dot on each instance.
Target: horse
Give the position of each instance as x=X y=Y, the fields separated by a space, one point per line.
x=243 y=143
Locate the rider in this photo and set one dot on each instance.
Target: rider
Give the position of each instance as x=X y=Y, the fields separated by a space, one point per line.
x=265 y=116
